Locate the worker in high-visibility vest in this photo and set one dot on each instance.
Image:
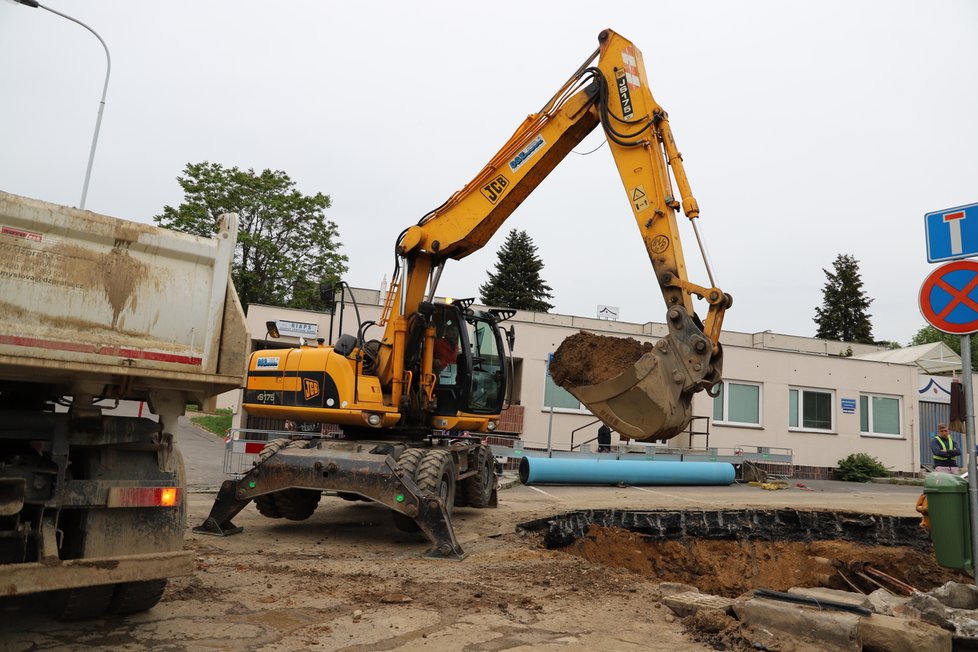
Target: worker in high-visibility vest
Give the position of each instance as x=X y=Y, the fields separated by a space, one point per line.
x=946 y=452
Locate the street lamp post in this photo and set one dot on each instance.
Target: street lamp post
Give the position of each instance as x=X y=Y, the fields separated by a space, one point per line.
x=105 y=88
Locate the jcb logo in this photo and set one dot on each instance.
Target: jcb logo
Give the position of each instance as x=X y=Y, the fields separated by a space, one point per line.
x=495 y=188
x=310 y=388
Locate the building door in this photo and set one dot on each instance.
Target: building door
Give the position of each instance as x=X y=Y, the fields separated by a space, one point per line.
x=932 y=414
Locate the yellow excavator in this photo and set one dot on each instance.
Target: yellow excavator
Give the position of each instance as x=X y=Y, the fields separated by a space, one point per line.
x=414 y=405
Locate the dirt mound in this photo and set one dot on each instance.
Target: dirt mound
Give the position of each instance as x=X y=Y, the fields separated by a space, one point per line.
x=589 y=359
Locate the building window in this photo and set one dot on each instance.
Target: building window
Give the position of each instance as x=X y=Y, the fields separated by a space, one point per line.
x=738 y=403
x=555 y=396
x=879 y=415
x=810 y=409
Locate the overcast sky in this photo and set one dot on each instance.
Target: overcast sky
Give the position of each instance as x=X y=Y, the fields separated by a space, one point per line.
x=808 y=129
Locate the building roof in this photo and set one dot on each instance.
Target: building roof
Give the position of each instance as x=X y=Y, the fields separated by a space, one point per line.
x=933 y=358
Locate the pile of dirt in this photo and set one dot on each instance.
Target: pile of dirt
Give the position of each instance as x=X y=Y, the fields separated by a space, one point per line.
x=589 y=359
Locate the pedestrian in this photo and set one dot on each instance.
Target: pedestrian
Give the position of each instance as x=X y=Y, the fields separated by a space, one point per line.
x=945 y=451
x=604 y=439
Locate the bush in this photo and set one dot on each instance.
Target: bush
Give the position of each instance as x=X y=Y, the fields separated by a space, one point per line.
x=860 y=467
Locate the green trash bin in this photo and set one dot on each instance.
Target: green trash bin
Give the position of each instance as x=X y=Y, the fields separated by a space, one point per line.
x=950 y=519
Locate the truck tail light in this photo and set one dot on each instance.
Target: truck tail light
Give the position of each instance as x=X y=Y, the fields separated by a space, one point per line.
x=145 y=496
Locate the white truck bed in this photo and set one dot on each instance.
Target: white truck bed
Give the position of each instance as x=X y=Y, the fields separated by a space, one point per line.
x=87 y=298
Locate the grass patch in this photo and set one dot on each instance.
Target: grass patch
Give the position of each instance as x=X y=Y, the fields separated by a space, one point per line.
x=218 y=423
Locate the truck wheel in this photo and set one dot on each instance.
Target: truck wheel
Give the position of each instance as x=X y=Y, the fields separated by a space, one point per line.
x=479 y=487
x=436 y=474
x=82 y=602
x=408 y=461
x=133 y=597
x=107 y=532
x=297 y=504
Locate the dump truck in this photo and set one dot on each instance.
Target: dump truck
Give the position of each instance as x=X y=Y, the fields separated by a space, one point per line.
x=415 y=404
x=95 y=310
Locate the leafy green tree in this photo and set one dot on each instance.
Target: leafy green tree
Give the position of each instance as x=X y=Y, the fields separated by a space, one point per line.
x=517 y=282
x=286 y=245
x=842 y=315
x=929 y=334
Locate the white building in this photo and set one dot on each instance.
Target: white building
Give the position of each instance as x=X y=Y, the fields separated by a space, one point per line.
x=817 y=400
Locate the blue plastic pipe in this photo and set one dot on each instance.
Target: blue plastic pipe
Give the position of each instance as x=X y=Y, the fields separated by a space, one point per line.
x=546 y=470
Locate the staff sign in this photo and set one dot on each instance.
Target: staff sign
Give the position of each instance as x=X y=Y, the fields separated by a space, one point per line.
x=952 y=233
x=949 y=298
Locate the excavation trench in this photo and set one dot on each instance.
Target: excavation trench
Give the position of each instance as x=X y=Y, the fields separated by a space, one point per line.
x=729 y=553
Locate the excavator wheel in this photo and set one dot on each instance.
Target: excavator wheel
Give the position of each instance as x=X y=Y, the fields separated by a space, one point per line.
x=297 y=504
x=478 y=488
x=293 y=504
x=267 y=506
x=270 y=449
x=408 y=461
x=436 y=474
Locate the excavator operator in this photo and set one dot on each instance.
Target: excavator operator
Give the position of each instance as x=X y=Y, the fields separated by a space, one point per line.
x=446 y=350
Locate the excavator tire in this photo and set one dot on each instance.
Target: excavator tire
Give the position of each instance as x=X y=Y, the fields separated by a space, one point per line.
x=478 y=488
x=408 y=461
x=267 y=506
x=266 y=503
x=436 y=474
x=297 y=504
x=293 y=504
x=270 y=449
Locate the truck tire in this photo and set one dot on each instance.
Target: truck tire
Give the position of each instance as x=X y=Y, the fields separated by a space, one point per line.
x=133 y=597
x=478 y=488
x=108 y=532
x=408 y=461
x=436 y=474
x=82 y=602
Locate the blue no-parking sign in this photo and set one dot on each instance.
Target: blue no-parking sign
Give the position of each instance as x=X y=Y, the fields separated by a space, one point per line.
x=952 y=233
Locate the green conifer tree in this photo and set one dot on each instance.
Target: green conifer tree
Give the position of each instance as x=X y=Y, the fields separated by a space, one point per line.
x=842 y=315
x=516 y=282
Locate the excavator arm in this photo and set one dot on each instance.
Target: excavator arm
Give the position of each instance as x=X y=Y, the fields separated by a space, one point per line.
x=613 y=92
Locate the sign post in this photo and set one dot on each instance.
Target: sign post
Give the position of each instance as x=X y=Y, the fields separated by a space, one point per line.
x=949 y=303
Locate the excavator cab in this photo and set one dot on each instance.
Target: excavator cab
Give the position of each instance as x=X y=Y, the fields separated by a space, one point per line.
x=469 y=361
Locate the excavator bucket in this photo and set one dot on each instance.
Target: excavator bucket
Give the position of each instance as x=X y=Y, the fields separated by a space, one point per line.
x=643 y=391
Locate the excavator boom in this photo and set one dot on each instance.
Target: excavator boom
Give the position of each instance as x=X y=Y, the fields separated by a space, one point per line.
x=614 y=93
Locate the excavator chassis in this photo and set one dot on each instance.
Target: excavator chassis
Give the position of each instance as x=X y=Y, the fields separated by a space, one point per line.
x=365 y=468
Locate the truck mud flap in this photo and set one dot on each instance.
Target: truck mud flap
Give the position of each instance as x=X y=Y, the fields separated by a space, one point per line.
x=339 y=469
